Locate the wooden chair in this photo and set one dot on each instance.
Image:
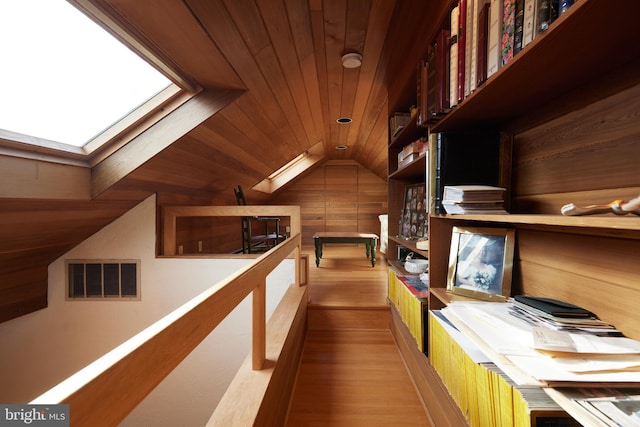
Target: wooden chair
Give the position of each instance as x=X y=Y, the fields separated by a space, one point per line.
x=254 y=243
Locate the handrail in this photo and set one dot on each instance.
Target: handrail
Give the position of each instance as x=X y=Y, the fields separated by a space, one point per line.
x=107 y=390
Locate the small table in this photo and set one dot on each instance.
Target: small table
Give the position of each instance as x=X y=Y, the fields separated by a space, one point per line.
x=370 y=241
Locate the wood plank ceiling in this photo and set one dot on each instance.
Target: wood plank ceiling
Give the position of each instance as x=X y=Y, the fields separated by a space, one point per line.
x=283 y=58
x=286 y=57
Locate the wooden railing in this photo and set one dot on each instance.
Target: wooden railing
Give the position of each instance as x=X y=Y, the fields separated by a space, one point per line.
x=107 y=390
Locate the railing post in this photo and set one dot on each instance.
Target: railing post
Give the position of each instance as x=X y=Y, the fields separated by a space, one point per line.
x=259 y=334
x=169 y=232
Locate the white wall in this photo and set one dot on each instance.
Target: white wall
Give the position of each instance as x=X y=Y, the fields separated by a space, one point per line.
x=40 y=349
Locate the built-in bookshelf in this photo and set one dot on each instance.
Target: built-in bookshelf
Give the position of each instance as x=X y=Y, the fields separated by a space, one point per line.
x=565 y=105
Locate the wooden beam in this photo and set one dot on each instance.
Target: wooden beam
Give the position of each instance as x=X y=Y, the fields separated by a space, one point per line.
x=158 y=137
x=259 y=318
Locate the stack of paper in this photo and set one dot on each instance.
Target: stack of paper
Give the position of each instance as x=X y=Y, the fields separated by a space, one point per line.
x=571 y=321
x=600 y=406
x=473 y=199
x=539 y=355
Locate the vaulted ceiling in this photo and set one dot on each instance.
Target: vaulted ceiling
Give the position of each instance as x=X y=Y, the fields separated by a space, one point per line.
x=273 y=86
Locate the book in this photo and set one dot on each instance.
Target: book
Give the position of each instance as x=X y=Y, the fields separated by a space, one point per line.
x=470 y=47
x=462 y=47
x=438 y=76
x=553 y=307
x=529 y=21
x=495 y=32
x=508 y=29
x=442 y=71
x=483 y=36
x=398 y=121
x=417 y=287
x=423 y=114
x=547 y=12
x=464 y=159
x=518 y=31
x=484 y=392
x=453 y=58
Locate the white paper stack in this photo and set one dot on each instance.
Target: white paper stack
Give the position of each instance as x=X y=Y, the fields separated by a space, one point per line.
x=473 y=199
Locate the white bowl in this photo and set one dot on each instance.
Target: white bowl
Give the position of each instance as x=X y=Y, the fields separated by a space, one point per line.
x=416 y=266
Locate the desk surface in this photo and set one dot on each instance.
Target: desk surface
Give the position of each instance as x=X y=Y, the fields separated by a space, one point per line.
x=347 y=234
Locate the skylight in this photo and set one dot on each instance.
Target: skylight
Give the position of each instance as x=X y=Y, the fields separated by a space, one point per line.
x=63 y=77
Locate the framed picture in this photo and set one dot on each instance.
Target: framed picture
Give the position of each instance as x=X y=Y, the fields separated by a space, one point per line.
x=481 y=262
x=414 y=212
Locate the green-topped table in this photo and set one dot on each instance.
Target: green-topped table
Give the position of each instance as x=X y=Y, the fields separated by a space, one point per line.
x=370 y=241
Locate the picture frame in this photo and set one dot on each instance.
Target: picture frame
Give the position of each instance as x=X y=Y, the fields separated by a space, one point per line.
x=481 y=262
x=414 y=212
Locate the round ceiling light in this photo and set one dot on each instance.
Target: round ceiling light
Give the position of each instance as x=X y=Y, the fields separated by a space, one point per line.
x=351 y=60
x=344 y=120
x=341 y=147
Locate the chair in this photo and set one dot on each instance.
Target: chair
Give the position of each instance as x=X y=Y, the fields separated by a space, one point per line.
x=253 y=243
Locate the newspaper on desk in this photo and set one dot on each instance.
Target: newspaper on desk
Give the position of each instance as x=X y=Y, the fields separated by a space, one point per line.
x=534 y=355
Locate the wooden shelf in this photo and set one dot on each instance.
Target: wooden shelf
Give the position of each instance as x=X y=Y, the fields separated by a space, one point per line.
x=415 y=169
x=558 y=61
x=614 y=223
x=409 y=133
x=447 y=298
x=409 y=244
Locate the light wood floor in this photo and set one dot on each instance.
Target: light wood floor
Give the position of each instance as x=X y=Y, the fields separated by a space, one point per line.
x=352 y=376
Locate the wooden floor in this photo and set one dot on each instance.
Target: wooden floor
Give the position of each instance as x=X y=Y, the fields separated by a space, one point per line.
x=352 y=375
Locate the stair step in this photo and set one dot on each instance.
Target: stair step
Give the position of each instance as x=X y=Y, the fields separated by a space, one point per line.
x=331 y=318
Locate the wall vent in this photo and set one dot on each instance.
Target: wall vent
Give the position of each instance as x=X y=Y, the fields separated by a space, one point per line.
x=103 y=279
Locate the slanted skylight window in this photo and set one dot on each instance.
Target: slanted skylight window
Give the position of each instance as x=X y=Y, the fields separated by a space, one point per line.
x=63 y=78
x=292 y=169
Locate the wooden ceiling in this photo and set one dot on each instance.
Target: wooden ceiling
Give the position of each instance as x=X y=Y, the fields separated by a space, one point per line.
x=271 y=72
x=285 y=57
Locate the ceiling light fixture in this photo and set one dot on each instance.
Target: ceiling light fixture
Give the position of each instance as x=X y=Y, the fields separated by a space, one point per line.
x=351 y=60
x=344 y=120
x=341 y=147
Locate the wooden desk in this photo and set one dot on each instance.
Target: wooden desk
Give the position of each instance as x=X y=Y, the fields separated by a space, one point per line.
x=370 y=241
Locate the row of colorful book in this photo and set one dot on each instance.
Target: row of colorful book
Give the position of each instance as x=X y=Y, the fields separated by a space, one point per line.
x=485 y=394
x=479 y=38
x=409 y=296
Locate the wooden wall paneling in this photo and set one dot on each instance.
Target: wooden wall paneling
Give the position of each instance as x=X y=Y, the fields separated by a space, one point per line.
x=305 y=48
x=601 y=257
x=372 y=201
x=282 y=36
x=371 y=96
x=334 y=26
x=219 y=235
x=565 y=155
x=27 y=178
x=339 y=194
x=404 y=48
x=201 y=58
x=308 y=193
x=158 y=137
x=341 y=198
x=23 y=284
x=552 y=203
